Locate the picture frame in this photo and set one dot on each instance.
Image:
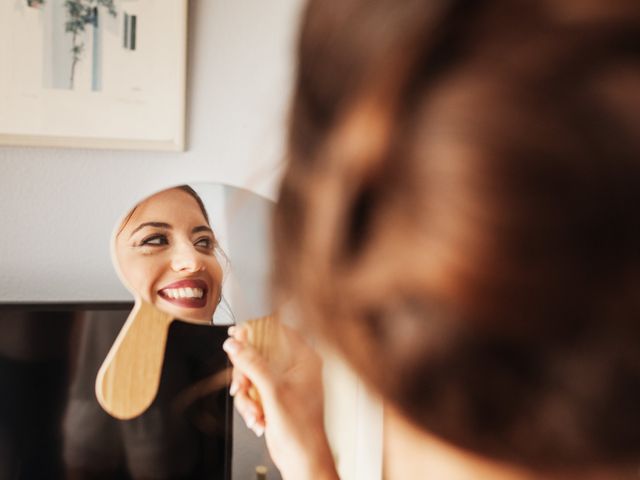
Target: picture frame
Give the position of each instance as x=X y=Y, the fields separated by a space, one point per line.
x=93 y=74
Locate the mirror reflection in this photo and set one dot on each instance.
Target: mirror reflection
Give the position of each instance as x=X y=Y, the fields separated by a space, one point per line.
x=168 y=254
x=200 y=254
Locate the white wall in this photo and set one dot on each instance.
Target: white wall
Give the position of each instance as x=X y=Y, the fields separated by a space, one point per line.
x=58 y=206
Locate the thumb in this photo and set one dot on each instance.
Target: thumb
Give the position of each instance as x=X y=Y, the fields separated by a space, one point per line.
x=249 y=361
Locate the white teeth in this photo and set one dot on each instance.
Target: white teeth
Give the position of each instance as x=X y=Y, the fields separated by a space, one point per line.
x=183 y=292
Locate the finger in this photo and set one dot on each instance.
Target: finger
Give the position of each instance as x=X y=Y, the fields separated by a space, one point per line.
x=248 y=410
x=238 y=382
x=251 y=413
x=250 y=363
x=241 y=333
x=237 y=378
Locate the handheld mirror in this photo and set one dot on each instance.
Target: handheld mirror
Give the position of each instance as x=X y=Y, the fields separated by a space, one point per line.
x=167 y=252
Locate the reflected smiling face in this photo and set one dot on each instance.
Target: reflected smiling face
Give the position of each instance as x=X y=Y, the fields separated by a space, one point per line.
x=166 y=253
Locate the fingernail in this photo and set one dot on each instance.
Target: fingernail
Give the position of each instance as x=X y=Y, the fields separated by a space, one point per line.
x=233 y=389
x=231 y=346
x=258 y=430
x=251 y=422
x=231 y=331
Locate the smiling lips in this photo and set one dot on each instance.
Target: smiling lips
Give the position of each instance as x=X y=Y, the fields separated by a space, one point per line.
x=186 y=293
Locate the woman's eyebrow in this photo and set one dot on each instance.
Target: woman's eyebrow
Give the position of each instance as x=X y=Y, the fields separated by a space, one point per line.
x=202 y=228
x=151 y=224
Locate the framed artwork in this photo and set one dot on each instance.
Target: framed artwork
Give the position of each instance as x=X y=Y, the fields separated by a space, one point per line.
x=93 y=73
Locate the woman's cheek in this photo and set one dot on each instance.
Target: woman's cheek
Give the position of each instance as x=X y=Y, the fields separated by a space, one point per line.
x=145 y=278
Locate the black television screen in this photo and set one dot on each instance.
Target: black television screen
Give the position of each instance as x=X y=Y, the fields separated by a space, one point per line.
x=52 y=427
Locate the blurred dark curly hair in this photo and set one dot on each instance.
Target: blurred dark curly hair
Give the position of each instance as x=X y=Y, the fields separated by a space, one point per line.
x=459 y=216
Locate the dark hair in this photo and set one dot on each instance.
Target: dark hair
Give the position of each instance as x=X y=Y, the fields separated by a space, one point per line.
x=196 y=197
x=460 y=217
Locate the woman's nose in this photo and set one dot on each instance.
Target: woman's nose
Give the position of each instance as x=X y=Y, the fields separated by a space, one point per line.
x=186 y=258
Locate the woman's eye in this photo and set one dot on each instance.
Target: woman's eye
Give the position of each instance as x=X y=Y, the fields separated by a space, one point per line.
x=204 y=242
x=154 y=240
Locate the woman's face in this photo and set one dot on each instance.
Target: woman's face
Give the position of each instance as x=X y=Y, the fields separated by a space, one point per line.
x=165 y=252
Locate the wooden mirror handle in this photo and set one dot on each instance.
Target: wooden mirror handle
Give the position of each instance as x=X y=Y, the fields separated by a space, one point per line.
x=128 y=380
x=262 y=334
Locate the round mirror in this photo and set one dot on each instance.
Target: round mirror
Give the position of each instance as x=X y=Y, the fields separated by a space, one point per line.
x=199 y=254
x=195 y=253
